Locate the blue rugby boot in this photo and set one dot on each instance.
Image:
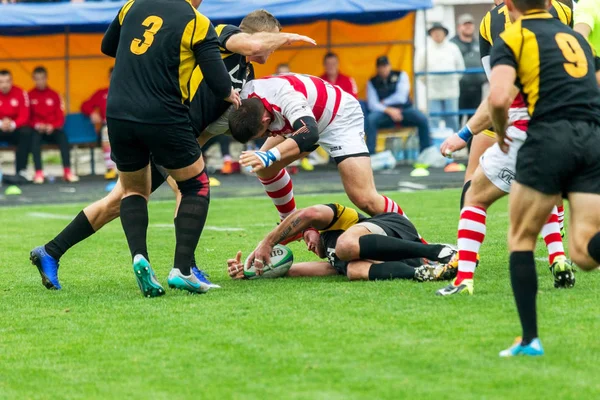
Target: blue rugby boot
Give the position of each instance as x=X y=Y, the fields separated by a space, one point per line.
x=47 y=267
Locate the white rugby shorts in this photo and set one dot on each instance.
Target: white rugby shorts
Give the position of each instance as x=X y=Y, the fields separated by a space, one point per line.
x=498 y=167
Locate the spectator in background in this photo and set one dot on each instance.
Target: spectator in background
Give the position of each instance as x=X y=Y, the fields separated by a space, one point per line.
x=443 y=91
x=470 y=84
x=95 y=108
x=283 y=68
x=389 y=104
x=587 y=22
x=14 y=116
x=331 y=64
x=47 y=118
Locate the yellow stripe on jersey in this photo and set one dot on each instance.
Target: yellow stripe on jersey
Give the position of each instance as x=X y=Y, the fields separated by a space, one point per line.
x=194 y=32
x=219 y=30
x=343 y=219
x=565 y=15
x=124 y=11
x=523 y=42
x=485 y=28
x=489 y=133
x=197 y=77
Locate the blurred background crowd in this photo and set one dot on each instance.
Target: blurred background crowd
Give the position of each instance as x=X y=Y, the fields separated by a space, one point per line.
x=417 y=85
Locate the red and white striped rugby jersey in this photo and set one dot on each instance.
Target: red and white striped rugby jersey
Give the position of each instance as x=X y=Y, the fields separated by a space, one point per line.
x=289 y=97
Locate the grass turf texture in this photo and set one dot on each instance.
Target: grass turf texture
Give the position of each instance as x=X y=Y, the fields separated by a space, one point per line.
x=288 y=338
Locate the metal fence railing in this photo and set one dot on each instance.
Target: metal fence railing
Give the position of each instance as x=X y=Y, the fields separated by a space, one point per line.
x=460 y=112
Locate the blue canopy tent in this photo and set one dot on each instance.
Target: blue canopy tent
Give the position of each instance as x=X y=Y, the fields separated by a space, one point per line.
x=65 y=37
x=35 y=19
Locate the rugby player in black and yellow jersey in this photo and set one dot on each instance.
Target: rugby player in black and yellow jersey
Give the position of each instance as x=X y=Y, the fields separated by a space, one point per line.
x=555 y=70
x=494 y=171
x=256 y=38
x=386 y=246
x=157 y=44
x=492 y=25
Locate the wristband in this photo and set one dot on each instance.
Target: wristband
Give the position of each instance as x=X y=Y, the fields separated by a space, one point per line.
x=465 y=133
x=267 y=158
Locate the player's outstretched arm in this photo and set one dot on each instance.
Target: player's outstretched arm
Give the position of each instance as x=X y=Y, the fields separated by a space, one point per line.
x=208 y=57
x=480 y=121
x=318 y=217
x=303 y=140
x=311 y=269
x=263 y=43
x=235 y=268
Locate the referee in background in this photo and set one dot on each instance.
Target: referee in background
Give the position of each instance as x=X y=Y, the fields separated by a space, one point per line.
x=157 y=44
x=587 y=22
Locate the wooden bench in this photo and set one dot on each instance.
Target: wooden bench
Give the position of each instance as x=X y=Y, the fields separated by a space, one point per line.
x=399 y=132
x=81 y=134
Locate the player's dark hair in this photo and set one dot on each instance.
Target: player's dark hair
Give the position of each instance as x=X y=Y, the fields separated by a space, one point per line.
x=259 y=21
x=329 y=55
x=526 y=5
x=40 y=70
x=5 y=72
x=246 y=121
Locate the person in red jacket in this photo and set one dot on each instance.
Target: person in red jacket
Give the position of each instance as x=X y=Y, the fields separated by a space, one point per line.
x=95 y=108
x=47 y=119
x=14 y=116
x=331 y=64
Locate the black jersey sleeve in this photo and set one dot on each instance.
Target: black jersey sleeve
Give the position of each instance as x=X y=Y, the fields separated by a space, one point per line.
x=502 y=54
x=485 y=35
x=225 y=32
x=110 y=41
x=213 y=69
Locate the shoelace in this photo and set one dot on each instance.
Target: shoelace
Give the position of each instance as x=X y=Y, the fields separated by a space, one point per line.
x=203 y=274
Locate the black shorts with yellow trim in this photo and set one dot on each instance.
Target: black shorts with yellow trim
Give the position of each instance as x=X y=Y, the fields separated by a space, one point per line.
x=172 y=146
x=560 y=157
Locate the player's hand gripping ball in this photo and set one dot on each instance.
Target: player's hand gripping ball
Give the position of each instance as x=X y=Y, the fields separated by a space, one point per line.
x=282 y=259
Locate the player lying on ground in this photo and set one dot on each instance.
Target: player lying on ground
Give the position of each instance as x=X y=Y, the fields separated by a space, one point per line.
x=493 y=177
x=386 y=246
x=476 y=129
x=256 y=38
x=300 y=113
x=557 y=74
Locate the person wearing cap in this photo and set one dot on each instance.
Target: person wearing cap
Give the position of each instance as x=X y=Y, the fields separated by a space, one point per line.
x=443 y=90
x=470 y=84
x=587 y=22
x=388 y=102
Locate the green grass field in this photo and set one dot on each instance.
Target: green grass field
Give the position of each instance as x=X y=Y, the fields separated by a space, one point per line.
x=279 y=339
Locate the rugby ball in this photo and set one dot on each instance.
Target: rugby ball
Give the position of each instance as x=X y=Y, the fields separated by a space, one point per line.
x=281 y=261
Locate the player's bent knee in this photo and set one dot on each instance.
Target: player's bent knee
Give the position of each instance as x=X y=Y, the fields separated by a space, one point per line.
x=578 y=251
x=347 y=248
x=196 y=186
x=583 y=261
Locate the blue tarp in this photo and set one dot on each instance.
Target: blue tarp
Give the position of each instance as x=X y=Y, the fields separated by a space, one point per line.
x=32 y=19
